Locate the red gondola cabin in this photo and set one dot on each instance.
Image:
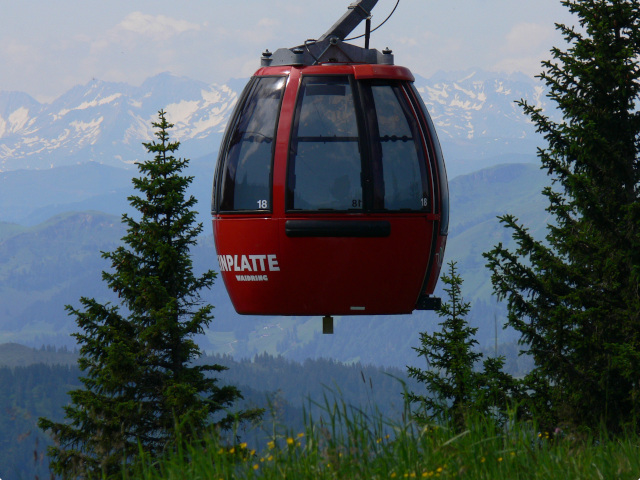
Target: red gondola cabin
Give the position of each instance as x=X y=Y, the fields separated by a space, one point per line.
x=330 y=194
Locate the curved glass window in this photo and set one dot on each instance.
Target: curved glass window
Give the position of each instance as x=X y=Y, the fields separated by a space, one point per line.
x=246 y=157
x=402 y=157
x=356 y=146
x=324 y=161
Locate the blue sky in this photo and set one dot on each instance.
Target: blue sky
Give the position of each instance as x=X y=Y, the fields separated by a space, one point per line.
x=47 y=47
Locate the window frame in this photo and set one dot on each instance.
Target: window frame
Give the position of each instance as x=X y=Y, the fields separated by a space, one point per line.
x=223 y=153
x=362 y=145
x=441 y=200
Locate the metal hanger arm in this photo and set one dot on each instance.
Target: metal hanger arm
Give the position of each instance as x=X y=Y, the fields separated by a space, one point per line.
x=357 y=12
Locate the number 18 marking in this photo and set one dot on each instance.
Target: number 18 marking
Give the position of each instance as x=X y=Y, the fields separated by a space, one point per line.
x=262 y=204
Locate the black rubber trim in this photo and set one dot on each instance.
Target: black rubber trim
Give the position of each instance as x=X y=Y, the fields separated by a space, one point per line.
x=338 y=228
x=432 y=260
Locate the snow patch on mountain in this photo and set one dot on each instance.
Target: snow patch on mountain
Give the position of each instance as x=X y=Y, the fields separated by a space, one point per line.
x=181 y=112
x=5 y=151
x=138 y=129
x=91 y=104
x=16 y=121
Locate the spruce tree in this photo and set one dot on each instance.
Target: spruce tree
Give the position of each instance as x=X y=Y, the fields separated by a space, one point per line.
x=574 y=298
x=455 y=388
x=141 y=389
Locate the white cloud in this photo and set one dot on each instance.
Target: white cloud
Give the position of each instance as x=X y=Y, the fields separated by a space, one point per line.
x=17 y=49
x=528 y=38
x=157 y=27
x=407 y=41
x=525 y=46
x=530 y=66
x=269 y=22
x=19 y=54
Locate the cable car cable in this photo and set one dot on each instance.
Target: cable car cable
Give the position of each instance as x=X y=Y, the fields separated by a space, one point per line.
x=306 y=46
x=373 y=30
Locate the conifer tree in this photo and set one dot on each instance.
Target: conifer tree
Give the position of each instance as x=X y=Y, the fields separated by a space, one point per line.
x=140 y=385
x=454 y=387
x=574 y=298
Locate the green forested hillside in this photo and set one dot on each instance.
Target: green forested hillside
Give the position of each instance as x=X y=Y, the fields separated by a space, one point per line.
x=29 y=197
x=16 y=355
x=42 y=268
x=476 y=200
x=35 y=382
x=54 y=263
x=27 y=393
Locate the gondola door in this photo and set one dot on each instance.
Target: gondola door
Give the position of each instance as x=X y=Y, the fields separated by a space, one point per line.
x=358 y=225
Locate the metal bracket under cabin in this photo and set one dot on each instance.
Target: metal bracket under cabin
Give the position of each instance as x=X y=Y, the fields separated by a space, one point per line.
x=327 y=325
x=427 y=302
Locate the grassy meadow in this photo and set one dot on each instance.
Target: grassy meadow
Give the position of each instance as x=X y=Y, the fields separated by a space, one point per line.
x=345 y=443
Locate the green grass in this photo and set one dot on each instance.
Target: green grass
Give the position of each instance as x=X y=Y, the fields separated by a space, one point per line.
x=348 y=444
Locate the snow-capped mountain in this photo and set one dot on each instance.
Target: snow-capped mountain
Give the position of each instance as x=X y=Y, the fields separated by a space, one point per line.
x=106 y=122
x=475 y=114
x=480 y=105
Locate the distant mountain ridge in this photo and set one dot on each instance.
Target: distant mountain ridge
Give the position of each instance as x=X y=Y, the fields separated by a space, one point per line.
x=106 y=122
x=29 y=197
x=16 y=355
